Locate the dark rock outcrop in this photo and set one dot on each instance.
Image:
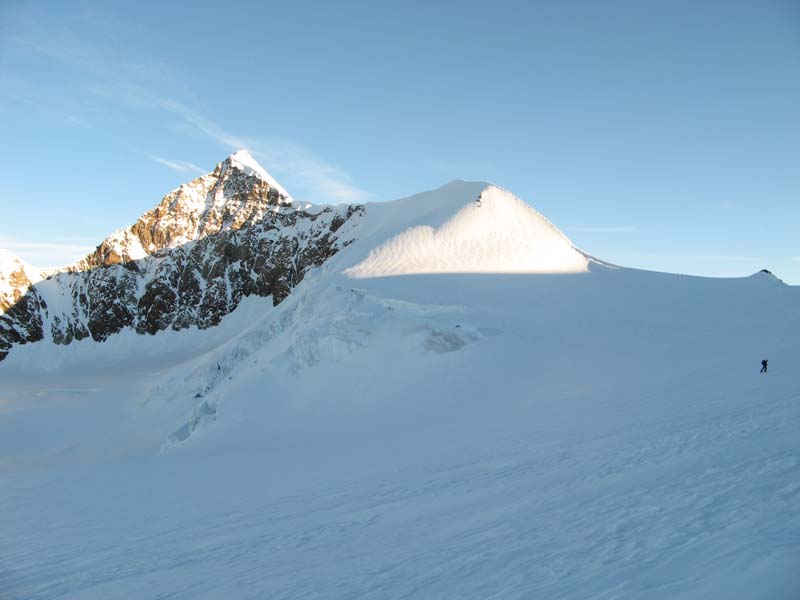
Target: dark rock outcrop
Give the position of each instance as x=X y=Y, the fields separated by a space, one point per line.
x=188 y=262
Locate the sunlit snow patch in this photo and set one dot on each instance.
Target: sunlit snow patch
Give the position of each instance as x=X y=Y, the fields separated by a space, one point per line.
x=497 y=233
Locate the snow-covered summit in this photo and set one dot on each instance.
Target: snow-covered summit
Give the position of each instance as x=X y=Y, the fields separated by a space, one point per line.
x=243 y=160
x=767 y=275
x=8 y=261
x=16 y=276
x=466 y=227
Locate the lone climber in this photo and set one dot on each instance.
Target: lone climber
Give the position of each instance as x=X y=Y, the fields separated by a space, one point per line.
x=764 y=366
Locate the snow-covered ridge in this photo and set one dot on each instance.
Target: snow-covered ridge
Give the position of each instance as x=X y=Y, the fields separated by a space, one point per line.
x=767 y=276
x=495 y=232
x=235 y=233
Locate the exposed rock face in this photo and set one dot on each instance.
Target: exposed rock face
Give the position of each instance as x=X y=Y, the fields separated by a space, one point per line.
x=238 y=193
x=187 y=262
x=20 y=319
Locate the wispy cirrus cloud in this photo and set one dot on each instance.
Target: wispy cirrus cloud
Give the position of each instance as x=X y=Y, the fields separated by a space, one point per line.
x=714 y=257
x=47 y=254
x=292 y=161
x=182 y=166
x=603 y=229
x=138 y=85
x=301 y=166
x=11 y=244
x=460 y=168
x=295 y=164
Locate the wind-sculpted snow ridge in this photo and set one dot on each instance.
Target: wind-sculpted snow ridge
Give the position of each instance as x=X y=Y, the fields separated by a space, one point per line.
x=323 y=324
x=493 y=233
x=307 y=329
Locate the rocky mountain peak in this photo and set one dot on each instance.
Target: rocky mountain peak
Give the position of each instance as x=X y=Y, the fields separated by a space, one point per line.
x=244 y=161
x=187 y=262
x=237 y=193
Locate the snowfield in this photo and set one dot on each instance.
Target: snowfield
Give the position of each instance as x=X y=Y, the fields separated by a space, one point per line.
x=542 y=426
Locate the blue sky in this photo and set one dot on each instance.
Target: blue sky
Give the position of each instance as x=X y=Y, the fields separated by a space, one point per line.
x=660 y=135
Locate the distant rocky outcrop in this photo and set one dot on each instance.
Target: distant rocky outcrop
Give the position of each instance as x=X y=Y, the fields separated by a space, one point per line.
x=767 y=275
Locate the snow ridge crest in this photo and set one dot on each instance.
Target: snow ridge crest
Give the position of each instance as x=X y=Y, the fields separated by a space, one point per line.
x=495 y=233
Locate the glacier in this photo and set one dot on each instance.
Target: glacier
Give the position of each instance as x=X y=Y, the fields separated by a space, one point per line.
x=457 y=404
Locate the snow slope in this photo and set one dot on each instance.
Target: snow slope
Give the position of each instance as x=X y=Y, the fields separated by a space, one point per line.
x=436 y=435
x=497 y=233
